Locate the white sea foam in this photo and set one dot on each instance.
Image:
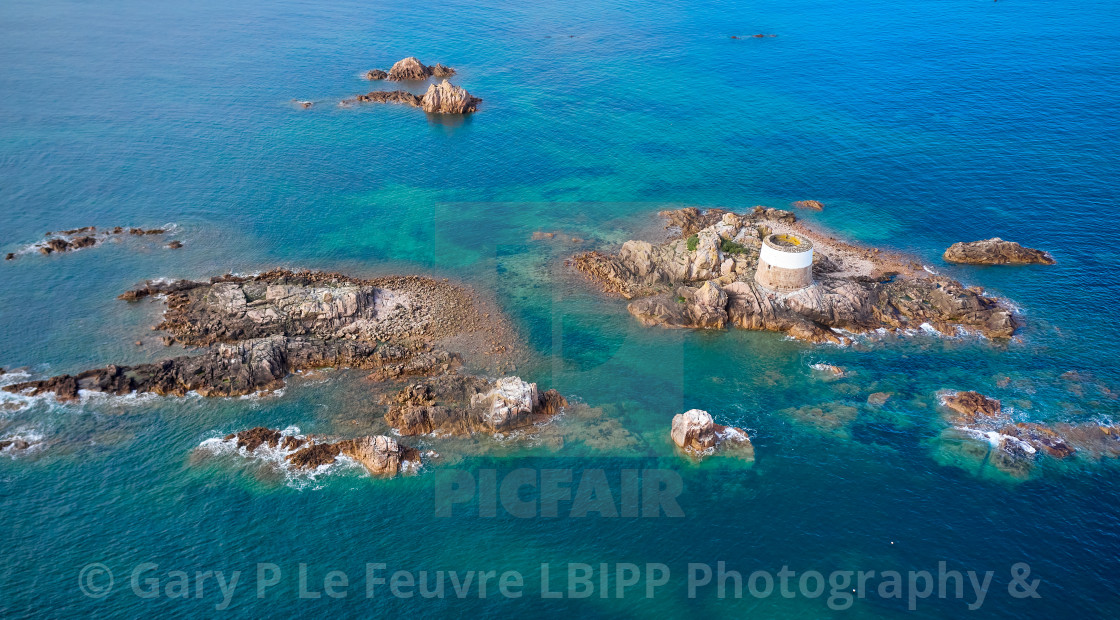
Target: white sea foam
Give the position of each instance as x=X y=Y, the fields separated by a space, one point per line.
x=996 y=439
x=31 y=436
x=277 y=457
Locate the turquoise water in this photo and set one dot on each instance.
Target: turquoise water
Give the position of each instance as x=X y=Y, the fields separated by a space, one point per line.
x=918 y=123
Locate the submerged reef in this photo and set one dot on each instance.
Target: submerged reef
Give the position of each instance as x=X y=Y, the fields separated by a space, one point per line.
x=703 y=276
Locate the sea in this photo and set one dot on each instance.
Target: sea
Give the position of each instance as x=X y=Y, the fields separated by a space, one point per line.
x=918 y=123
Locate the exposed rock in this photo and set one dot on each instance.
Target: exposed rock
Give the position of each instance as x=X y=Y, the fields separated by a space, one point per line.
x=703 y=277
x=1040 y=438
x=409 y=69
x=462 y=405
x=814 y=205
x=255 y=330
x=830 y=369
x=314 y=455
x=698 y=435
x=14 y=444
x=995 y=251
x=175 y=244
x=386 y=96
x=443 y=98
x=78 y=238
x=972 y=407
x=441 y=71
x=381 y=455
x=376 y=74
x=256 y=437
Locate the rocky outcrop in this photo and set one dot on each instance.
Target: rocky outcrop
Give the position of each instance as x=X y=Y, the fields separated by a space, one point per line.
x=995 y=251
x=971 y=408
x=813 y=205
x=441 y=71
x=703 y=277
x=409 y=69
x=698 y=435
x=981 y=432
x=443 y=98
x=78 y=238
x=385 y=96
x=235 y=369
x=380 y=455
x=15 y=444
x=253 y=331
x=461 y=405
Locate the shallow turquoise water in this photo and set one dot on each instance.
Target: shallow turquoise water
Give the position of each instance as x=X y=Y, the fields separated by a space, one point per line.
x=917 y=123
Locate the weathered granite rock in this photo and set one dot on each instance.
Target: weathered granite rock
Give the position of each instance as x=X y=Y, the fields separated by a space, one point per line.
x=443 y=98
x=255 y=330
x=462 y=405
x=409 y=69
x=380 y=455
x=814 y=205
x=442 y=71
x=698 y=435
x=376 y=74
x=386 y=96
x=228 y=369
x=16 y=444
x=1039 y=437
x=972 y=408
x=79 y=238
x=314 y=455
x=995 y=251
x=703 y=277
x=174 y=244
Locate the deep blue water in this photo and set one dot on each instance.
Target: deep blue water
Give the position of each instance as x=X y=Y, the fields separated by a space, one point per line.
x=918 y=123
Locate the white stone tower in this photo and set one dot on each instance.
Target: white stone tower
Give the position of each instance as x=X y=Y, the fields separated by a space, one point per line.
x=785 y=263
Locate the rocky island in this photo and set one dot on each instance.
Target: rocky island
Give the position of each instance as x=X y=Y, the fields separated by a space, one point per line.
x=442 y=98
x=410 y=69
x=995 y=251
x=697 y=435
x=705 y=275
x=252 y=331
